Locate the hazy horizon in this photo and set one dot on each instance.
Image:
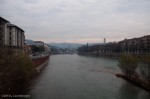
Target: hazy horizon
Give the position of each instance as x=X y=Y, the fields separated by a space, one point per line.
x=78 y=21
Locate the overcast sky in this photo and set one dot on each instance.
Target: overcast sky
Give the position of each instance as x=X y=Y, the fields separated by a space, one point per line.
x=79 y=21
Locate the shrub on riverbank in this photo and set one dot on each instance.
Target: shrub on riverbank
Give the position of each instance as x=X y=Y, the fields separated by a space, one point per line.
x=145 y=70
x=15 y=73
x=128 y=65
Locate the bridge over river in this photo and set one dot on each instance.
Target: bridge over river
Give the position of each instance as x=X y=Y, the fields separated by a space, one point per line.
x=80 y=77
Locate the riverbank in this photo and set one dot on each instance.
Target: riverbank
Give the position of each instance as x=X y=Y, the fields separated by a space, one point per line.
x=18 y=77
x=140 y=57
x=136 y=81
x=15 y=73
x=101 y=55
x=39 y=63
x=39 y=60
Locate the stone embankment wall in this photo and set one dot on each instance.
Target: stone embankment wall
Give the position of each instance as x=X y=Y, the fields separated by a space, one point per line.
x=40 y=60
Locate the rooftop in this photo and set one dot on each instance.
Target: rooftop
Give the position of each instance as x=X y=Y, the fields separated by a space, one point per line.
x=3 y=19
x=12 y=25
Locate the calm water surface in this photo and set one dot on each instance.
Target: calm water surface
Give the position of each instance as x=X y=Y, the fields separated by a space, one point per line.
x=80 y=77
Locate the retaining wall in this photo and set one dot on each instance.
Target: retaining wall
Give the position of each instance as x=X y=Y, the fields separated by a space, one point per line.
x=40 y=60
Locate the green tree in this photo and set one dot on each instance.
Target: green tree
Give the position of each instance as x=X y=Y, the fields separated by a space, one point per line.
x=40 y=49
x=34 y=48
x=128 y=65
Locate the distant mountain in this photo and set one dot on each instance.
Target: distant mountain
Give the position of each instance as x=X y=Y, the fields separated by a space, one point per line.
x=62 y=45
x=66 y=45
x=30 y=42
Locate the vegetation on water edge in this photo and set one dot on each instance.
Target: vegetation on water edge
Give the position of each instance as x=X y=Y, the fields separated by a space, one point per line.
x=145 y=70
x=128 y=64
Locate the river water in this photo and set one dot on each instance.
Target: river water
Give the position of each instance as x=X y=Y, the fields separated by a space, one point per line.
x=82 y=77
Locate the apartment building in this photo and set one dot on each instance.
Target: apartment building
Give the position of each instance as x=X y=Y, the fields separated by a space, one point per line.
x=3 y=30
x=138 y=46
x=11 y=35
x=15 y=37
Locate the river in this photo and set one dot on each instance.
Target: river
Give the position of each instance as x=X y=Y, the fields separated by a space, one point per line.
x=82 y=77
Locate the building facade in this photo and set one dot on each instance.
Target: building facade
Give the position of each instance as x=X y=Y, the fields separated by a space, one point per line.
x=11 y=35
x=138 y=46
x=3 y=30
x=39 y=43
x=14 y=37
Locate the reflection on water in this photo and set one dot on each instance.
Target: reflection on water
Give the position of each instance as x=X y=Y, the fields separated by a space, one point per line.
x=125 y=93
x=80 y=77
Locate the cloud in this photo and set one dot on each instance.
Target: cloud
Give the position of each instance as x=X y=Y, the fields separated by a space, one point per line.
x=79 y=20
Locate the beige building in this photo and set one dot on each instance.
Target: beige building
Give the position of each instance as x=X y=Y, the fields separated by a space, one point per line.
x=11 y=35
x=14 y=37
